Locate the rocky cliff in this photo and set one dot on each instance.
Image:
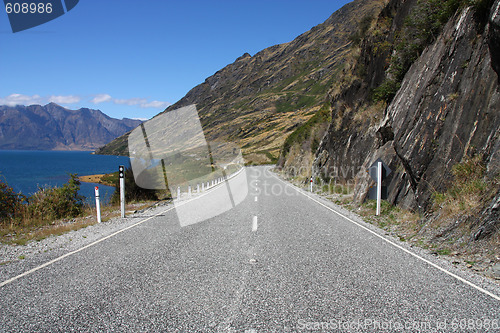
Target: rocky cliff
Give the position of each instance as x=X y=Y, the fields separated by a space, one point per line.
x=437 y=129
x=52 y=127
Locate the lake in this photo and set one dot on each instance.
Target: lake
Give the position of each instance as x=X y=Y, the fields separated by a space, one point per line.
x=25 y=171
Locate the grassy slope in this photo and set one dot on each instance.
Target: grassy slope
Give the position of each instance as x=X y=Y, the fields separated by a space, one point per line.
x=259 y=100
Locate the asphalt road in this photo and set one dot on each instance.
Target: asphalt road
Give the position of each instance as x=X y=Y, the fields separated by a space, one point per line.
x=279 y=261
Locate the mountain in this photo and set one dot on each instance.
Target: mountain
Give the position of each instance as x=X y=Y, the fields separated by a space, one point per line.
x=53 y=127
x=257 y=101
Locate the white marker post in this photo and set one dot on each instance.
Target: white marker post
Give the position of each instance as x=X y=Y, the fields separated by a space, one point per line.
x=121 y=169
x=178 y=192
x=198 y=188
x=98 y=204
x=311 y=184
x=379 y=186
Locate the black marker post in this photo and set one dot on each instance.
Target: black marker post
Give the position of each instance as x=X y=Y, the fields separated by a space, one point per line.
x=121 y=169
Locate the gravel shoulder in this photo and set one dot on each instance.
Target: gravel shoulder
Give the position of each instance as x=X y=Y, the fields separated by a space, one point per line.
x=16 y=259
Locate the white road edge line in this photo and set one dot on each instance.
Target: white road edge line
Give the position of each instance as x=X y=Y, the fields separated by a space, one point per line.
x=484 y=291
x=255 y=198
x=48 y=263
x=78 y=250
x=254 y=224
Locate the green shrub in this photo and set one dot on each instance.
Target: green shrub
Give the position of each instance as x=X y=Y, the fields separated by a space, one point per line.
x=364 y=25
x=303 y=132
x=386 y=91
x=133 y=193
x=52 y=203
x=421 y=28
x=290 y=103
x=468 y=190
x=10 y=202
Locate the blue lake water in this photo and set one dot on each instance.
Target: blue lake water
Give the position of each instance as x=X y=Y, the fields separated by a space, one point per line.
x=25 y=171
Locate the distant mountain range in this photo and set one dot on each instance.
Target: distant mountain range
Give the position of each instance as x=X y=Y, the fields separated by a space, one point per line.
x=53 y=127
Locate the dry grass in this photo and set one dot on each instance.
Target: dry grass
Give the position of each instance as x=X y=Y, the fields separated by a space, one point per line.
x=469 y=192
x=26 y=232
x=373 y=112
x=96 y=179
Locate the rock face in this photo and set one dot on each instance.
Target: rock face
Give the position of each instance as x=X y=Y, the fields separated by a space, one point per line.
x=52 y=127
x=446 y=110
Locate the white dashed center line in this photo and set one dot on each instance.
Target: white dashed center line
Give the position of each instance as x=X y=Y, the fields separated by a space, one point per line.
x=254 y=224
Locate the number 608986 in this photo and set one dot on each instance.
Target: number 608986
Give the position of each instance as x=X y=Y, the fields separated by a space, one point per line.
x=28 y=8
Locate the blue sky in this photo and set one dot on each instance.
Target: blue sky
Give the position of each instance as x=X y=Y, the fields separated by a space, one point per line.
x=133 y=58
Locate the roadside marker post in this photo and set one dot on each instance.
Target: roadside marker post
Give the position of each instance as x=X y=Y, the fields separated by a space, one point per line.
x=379 y=186
x=189 y=191
x=178 y=192
x=311 y=184
x=121 y=170
x=378 y=172
x=98 y=204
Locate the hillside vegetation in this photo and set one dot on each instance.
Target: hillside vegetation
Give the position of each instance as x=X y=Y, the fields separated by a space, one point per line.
x=257 y=101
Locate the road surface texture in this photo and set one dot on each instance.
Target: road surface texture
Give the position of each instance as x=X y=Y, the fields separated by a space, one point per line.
x=279 y=261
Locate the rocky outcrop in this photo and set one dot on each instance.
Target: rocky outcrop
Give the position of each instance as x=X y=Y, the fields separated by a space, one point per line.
x=447 y=110
x=355 y=131
x=50 y=127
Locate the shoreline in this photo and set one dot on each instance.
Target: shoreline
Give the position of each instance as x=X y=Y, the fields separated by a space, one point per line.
x=97 y=179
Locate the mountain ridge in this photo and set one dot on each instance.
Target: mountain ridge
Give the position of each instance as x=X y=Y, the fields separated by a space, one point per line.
x=53 y=127
x=257 y=101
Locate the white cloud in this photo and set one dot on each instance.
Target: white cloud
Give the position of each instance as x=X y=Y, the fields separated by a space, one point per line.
x=20 y=99
x=155 y=104
x=101 y=98
x=131 y=101
x=141 y=102
x=65 y=99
